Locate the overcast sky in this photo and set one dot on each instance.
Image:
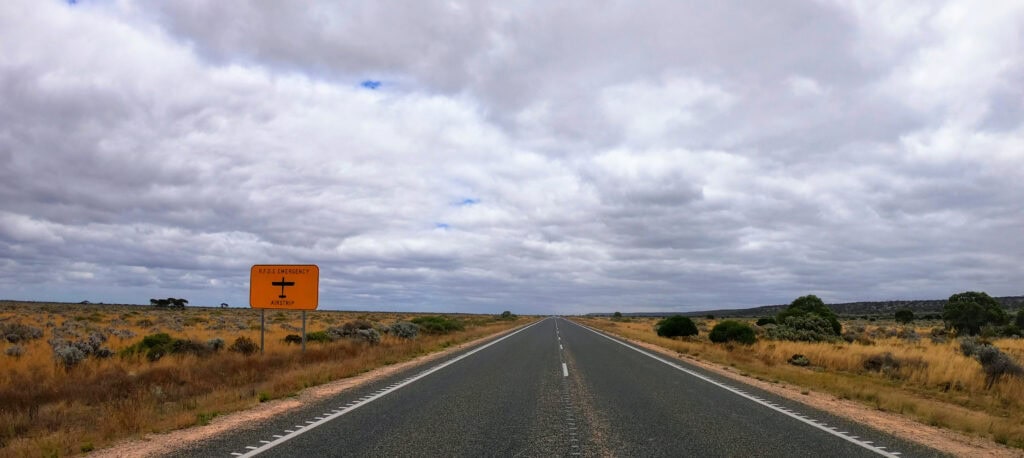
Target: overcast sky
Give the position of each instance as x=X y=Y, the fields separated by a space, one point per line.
x=539 y=157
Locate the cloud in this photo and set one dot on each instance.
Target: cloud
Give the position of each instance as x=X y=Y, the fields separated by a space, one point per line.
x=544 y=158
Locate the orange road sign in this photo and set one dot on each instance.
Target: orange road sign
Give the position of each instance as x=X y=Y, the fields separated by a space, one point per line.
x=293 y=287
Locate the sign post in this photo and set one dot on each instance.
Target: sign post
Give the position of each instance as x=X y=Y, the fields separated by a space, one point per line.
x=289 y=287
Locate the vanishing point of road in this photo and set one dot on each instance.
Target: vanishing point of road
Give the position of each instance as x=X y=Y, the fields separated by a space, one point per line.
x=556 y=388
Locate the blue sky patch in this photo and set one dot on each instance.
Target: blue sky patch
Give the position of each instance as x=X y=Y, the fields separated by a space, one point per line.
x=443 y=226
x=371 y=84
x=469 y=201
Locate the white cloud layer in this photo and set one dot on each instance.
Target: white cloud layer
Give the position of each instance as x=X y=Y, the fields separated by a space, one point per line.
x=541 y=157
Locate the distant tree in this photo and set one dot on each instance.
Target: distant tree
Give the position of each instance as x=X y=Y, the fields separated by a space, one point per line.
x=969 y=311
x=154 y=302
x=765 y=321
x=507 y=315
x=676 y=325
x=733 y=331
x=810 y=305
x=1020 y=319
x=617 y=316
x=223 y=305
x=709 y=316
x=904 y=316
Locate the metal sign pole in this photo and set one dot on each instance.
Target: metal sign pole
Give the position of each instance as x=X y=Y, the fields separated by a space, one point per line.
x=262 y=314
x=303 y=331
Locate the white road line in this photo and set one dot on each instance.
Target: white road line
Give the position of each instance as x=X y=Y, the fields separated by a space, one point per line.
x=560 y=347
x=369 y=399
x=565 y=370
x=851 y=439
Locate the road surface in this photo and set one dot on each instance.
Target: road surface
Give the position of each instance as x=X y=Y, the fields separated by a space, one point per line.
x=556 y=388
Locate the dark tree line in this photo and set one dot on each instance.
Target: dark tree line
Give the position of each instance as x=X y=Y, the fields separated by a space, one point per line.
x=169 y=302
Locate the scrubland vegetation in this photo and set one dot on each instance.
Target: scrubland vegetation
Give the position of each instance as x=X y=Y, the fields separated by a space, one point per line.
x=78 y=377
x=961 y=373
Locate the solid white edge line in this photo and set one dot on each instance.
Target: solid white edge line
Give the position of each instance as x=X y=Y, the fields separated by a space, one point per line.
x=370 y=399
x=850 y=439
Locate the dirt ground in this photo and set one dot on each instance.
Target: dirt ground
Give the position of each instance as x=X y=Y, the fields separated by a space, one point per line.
x=941 y=439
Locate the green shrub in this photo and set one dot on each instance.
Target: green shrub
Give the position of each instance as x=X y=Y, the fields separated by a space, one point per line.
x=244 y=345
x=969 y=311
x=156 y=346
x=293 y=339
x=676 y=326
x=805 y=328
x=404 y=330
x=358 y=329
x=1019 y=321
x=904 y=316
x=799 y=360
x=766 y=321
x=438 y=324
x=732 y=331
x=811 y=305
x=318 y=336
x=507 y=316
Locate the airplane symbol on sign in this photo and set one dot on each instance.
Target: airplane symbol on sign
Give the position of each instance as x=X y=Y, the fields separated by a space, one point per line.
x=282 y=284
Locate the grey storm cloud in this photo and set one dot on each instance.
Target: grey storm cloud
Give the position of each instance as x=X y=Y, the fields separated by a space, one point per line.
x=543 y=157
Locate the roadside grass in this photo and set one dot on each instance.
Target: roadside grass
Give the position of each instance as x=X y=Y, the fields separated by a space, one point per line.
x=933 y=384
x=46 y=410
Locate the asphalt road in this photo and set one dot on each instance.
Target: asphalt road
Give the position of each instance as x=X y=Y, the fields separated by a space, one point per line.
x=556 y=389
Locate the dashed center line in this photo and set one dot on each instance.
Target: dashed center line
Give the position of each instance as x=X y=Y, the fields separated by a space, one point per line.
x=565 y=370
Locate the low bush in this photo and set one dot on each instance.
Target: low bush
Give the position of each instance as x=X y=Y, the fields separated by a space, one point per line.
x=293 y=339
x=507 y=316
x=766 y=321
x=244 y=345
x=318 y=337
x=904 y=316
x=882 y=362
x=215 y=344
x=17 y=332
x=437 y=324
x=14 y=351
x=732 y=331
x=404 y=330
x=993 y=361
x=358 y=329
x=676 y=326
x=68 y=356
x=799 y=360
x=803 y=328
x=156 y=346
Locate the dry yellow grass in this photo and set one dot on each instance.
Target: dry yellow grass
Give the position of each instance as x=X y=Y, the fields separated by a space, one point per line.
x=934 y=384
x=46 y=410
